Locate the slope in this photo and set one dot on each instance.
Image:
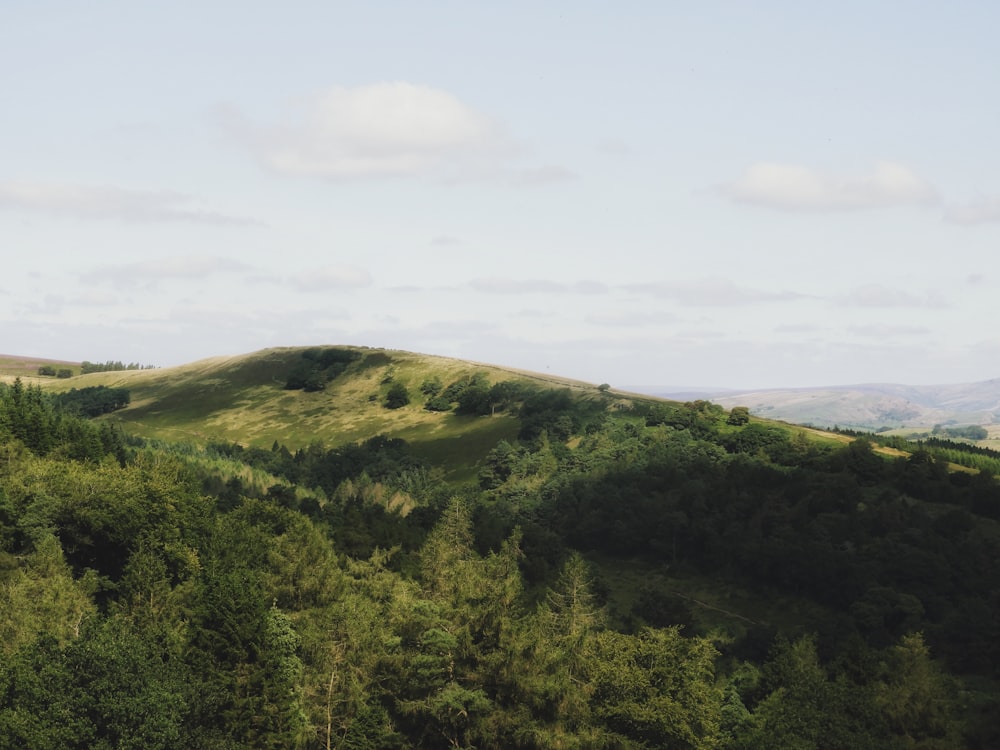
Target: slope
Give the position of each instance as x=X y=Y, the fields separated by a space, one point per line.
x=872 y=406
x=244 y=399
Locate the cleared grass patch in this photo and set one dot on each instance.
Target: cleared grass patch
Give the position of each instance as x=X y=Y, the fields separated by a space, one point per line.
x=716 y=605
x=459 y=447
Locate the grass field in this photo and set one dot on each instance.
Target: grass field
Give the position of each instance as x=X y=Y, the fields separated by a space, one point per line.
x=243 y=399
x=26 y=368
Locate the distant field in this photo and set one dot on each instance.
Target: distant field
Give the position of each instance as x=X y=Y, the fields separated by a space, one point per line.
x=26 y=368
x=992 y=441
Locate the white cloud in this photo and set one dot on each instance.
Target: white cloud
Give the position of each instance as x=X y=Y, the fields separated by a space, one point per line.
x=103 y=202
x=547 y=175
x=589 y=287
x=445 y=240
x=791 y=187
x=876 y=295
x=95 y=298
x=517 y=286
x=50 y=304
x=393 y=129
x=536 y=286
x=797 y=328
x=331 y=277
x=627 y=319
x=977 y=212
x=884 y=331
x=712 y=292
x=150 y=272
x=612 y=147
x=390 y=130
x=234 y=317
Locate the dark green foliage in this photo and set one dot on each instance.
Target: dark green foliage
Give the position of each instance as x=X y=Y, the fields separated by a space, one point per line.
x=557 y=413
x=756 y=437
x=961 y=453
x=31 y=417
x=472 y=395
x=970 y=432
x=660 y=608
x=135 y=699
x=348 y=598
x=93 y=401
x=358 y=476
x=42 y=704
x=474 y=400
x=455 y=388
x=50 y=371
x=456 y=391
x=503 y=396
x=431 y=386
x=318 y=367
x=499 y=465
x=397 y=397
x=438 y=403
x=738 y=416
x=656 y=689
x=478 y=398
x=111 y=366
x=701 y=418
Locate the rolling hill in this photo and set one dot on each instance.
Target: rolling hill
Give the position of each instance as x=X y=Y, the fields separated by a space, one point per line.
x=13 y=366
x=865 y=406
x=243 y=399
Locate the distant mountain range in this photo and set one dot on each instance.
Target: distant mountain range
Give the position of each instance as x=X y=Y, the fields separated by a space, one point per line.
x=868 y=406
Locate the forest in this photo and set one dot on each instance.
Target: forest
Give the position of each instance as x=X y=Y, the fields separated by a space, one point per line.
x=162 y=594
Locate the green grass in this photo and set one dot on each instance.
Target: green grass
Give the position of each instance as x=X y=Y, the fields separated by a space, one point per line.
x=460 y=443
x=26 y=368
x=717 y=606
x=242 y=399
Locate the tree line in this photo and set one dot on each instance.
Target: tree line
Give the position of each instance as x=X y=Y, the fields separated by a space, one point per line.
x=111 y=366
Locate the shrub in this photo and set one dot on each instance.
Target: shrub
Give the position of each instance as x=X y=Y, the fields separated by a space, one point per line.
x=397 y=396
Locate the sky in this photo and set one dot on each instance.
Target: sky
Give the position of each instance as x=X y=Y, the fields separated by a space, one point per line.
x=710 y=194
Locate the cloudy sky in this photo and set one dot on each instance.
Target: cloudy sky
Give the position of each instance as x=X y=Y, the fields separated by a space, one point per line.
x=705 y=194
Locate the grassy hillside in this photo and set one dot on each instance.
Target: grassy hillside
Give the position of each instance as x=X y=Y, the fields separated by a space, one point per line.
x=26 y=368
x=243 y=399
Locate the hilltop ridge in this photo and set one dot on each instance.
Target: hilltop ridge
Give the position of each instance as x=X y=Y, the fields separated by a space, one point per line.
x=244 y=399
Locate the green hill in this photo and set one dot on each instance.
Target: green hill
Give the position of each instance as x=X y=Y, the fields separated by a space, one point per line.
x=244 y=399
x=26 y=368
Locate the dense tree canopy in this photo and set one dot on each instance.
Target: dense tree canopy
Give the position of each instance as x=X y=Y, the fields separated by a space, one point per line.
x=163 y=596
